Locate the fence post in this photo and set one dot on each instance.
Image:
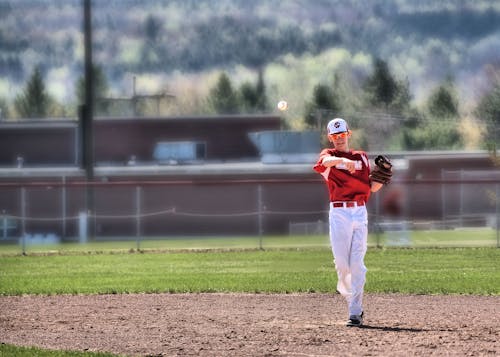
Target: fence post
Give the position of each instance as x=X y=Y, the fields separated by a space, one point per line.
x=23 y=219
x=443 y=198
x=461 y=220
x=259 y=209
x=498 y=215
x=138 y=216
x=4 y=221
x=63 y=206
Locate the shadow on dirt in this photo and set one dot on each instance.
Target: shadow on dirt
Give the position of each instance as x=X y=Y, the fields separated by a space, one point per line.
x=393 y=329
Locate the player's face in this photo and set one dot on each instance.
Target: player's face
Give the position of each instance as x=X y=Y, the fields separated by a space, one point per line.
x=340 y=140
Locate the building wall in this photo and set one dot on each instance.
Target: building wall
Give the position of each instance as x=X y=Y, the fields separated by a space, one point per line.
x=226 y=137
x=38 y=143
x=57 y=142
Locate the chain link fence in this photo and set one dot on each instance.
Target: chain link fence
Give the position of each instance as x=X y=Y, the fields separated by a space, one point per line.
x=242 y=214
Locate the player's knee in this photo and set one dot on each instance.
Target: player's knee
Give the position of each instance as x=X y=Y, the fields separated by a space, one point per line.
x=342 y=266
x=358 y=268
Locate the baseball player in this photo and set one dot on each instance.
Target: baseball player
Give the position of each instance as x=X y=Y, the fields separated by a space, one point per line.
x=350 y=183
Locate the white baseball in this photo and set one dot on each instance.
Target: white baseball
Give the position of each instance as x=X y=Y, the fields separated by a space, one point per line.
x=282 y=105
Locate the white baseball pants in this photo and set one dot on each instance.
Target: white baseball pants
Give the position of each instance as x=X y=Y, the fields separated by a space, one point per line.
x=348 y=238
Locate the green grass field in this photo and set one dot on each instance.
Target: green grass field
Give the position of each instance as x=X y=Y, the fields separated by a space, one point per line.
x=477 y=237
x=285 y=265
x=16 y=351
x=415 y=271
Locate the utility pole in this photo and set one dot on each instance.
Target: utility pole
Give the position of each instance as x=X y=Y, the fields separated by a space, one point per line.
x=86 y=114
x=87 y=110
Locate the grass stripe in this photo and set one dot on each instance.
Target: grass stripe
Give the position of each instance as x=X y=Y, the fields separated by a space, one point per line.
x=415 y=271
x=17 y=351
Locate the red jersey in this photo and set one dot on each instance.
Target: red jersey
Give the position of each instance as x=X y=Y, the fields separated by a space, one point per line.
x=342 y=185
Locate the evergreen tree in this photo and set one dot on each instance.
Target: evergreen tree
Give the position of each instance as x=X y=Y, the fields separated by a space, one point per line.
x=152 y=28
x=151 y=51
x=4 y=109
x=323 y=100
x=262 y=101
x=388 y=98
x=443 y=102
x=438 y=129
x=381 y=87
x=249 y=97
x=402 y=100
x=488 y=111
x=222 y=98
x=100 y=90
x=254 y=98
x=34 y=102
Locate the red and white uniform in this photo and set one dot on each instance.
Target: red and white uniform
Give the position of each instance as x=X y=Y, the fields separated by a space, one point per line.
x=348 y=193
x=342 y=185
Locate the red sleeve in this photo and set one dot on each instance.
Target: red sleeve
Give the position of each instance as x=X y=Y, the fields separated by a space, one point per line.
x=319 y=167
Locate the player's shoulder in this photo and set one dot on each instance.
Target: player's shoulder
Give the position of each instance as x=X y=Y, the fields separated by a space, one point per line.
x=359 y=153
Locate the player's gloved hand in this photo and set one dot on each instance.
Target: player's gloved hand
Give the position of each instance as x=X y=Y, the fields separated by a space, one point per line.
x=382 y=172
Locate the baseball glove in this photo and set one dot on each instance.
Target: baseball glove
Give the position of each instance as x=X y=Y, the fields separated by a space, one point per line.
x=382 y=172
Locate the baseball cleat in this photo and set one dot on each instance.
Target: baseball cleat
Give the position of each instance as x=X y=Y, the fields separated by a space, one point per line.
x=355 y=320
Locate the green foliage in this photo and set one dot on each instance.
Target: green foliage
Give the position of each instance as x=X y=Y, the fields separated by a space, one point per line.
x=448 y=23
x=384 y=91
x=223 y=99
x=262 y=103
x=224 y=40
x=443 y=102
x=205 y=34
x=100 y=90
x=4 y=109
x=254 y=98
x=152 y=51
x=324 y=99
x=488 y=111
x=381 y=87
x=197 y=37
x=432 y=134
x=34 y=102
x=388 y=100
x=152 y=28
x=402 y=100
x=150 y=57
x=439 y=128
x=249 y=97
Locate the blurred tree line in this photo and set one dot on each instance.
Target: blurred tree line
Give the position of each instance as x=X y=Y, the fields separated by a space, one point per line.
x=384 y=109
x=223 y=34
x=222 y=39
x=215 y=34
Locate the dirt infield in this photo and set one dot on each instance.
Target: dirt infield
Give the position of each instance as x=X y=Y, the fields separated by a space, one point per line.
x=253 y=324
